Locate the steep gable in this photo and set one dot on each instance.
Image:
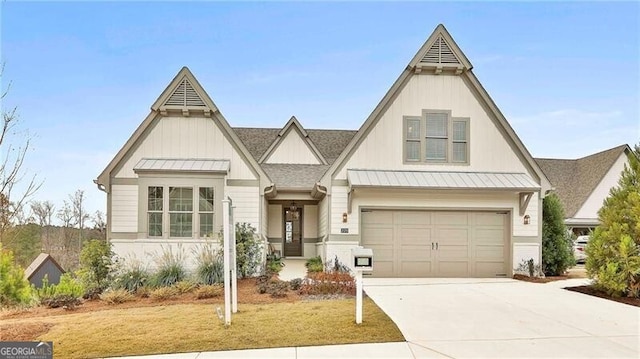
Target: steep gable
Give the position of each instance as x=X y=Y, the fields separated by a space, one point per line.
x=293 y=145
x=438 y=78
x=182 y=111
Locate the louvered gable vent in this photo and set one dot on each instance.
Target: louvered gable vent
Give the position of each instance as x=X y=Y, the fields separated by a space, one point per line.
x=185 y=95
x=440 y=53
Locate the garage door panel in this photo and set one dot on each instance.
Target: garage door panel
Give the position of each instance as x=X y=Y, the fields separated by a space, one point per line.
x=436 y=243
x=411 y=269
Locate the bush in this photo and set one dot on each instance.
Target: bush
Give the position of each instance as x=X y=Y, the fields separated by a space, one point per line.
x=185 y=286
x=323 y=283
x=613 y=252
x=66 y=293
x=295 y=283
x=170 y=267
x=95 y=263
x=273 y=266
x=164 y=293
x=116 y=296
x=314 y=265
x=133 y=276
x=272 y=286
x=336 y=266
x=209 y=291
x=143 y=292
x=557 y=249
x=248 y=250
x=210 y=268
x=14 y=288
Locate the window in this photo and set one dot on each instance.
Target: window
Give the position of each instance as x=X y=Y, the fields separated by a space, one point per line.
x=205 y=207
x=436 y=137
x=180 y=211
x=154 y=211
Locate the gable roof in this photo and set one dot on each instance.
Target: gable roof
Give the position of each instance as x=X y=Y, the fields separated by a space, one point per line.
x=292 y=125
x=38 y=263
x=574 y=180
x=424 y=59
x=294 y=176
x=329 y=143
x=184 y=87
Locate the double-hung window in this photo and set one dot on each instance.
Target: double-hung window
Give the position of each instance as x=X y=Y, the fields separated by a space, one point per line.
x=205 y=207
x=154 y=210
x=180 y=211
x=436 y=137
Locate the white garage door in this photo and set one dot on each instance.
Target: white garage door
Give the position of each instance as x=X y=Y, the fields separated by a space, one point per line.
x=436 y=243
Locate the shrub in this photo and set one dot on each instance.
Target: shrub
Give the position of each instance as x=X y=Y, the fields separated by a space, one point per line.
x=314 y=264
x=66 y=293
x=295 y=283
x=164 y=293
x=273 y=286
x=273 y=266
x=557 y=250
x=185 y=286
x=529 y=268
x=143 y=292
x=95 y=262
x=209 y=291
x=14 y=288
x=170 y=267
x=133 y=276
x=210 y=266
x=613 y=255
x=336 y=266
x=116 y=296
x=248 y=250
x=334 y=282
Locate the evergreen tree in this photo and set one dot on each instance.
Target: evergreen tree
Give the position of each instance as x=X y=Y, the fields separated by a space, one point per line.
x=557 y=252
x=613 y=256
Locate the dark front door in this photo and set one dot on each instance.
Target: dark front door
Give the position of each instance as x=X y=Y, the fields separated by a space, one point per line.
x=292 y=232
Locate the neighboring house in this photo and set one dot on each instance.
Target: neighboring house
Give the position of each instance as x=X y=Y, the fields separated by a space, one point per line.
x=583 y=184
x=435 y=181
x=43 y=265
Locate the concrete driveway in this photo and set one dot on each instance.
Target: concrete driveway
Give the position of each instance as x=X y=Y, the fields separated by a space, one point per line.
x=505 y=318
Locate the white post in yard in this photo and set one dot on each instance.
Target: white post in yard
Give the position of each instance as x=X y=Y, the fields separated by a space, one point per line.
x=358 y=296
x=226 y=252
x=234 y=265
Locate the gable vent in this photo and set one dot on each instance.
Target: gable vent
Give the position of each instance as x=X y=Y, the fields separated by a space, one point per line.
x=185 y=95
x=440 y=53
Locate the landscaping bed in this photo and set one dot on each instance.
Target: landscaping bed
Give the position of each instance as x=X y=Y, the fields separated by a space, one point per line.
x=590 y=290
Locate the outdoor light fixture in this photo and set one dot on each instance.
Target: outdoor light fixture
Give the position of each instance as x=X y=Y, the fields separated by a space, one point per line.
x=527 y=219
x=344 y=217
x=293 y=206
x=293 y=209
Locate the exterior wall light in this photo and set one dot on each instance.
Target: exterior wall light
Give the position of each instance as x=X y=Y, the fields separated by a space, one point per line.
x=527 y=219
x=344 y=217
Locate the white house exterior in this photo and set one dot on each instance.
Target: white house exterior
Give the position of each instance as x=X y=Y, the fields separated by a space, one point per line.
x=435 y=181
x=583 y=184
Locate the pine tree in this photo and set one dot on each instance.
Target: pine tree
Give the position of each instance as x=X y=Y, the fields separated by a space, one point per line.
x=613 y=256
x=557 y=254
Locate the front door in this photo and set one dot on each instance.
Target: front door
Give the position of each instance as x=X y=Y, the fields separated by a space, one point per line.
x=292 y=232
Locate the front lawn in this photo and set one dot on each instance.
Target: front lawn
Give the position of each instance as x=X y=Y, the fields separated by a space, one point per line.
x=194 y=327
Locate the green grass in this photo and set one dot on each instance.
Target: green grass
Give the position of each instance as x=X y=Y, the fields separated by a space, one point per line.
x=196 y=327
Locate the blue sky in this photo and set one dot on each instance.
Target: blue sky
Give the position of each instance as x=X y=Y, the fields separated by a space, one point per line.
x=83 y=75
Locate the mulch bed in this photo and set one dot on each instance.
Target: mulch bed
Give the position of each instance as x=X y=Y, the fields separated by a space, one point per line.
x=590 y=290
x=526 y=278
x=247 y=293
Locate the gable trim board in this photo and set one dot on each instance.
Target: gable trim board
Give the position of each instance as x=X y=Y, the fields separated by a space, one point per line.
x=472 y=82
x=292 y=125
x=103 y=180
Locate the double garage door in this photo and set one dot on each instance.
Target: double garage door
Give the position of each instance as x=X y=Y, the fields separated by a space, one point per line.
x=436 y=243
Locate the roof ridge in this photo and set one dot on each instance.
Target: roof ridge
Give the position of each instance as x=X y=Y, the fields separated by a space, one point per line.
x=613 y=149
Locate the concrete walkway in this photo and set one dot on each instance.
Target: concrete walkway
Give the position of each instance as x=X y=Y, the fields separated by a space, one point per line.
x=481 y=318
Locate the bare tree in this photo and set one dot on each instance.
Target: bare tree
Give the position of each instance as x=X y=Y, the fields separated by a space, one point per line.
x=99 y=222
x=16 y=186
x=43 y=212
x=79 y=213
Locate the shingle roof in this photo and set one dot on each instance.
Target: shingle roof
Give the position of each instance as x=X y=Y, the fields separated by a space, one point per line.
x=574 y=180
x=330 y=143
x=294 y=175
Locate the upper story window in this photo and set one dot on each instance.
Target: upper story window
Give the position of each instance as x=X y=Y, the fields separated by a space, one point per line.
x=436 y=137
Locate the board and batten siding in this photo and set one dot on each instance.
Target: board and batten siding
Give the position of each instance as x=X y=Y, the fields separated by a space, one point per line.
x=292 y=149
x=124 y=208
x=310 y=221
x=275 y=221
x=382 y=148
x=186 y=137
x=430 y=200
x=246 y=203
x=593 y=204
